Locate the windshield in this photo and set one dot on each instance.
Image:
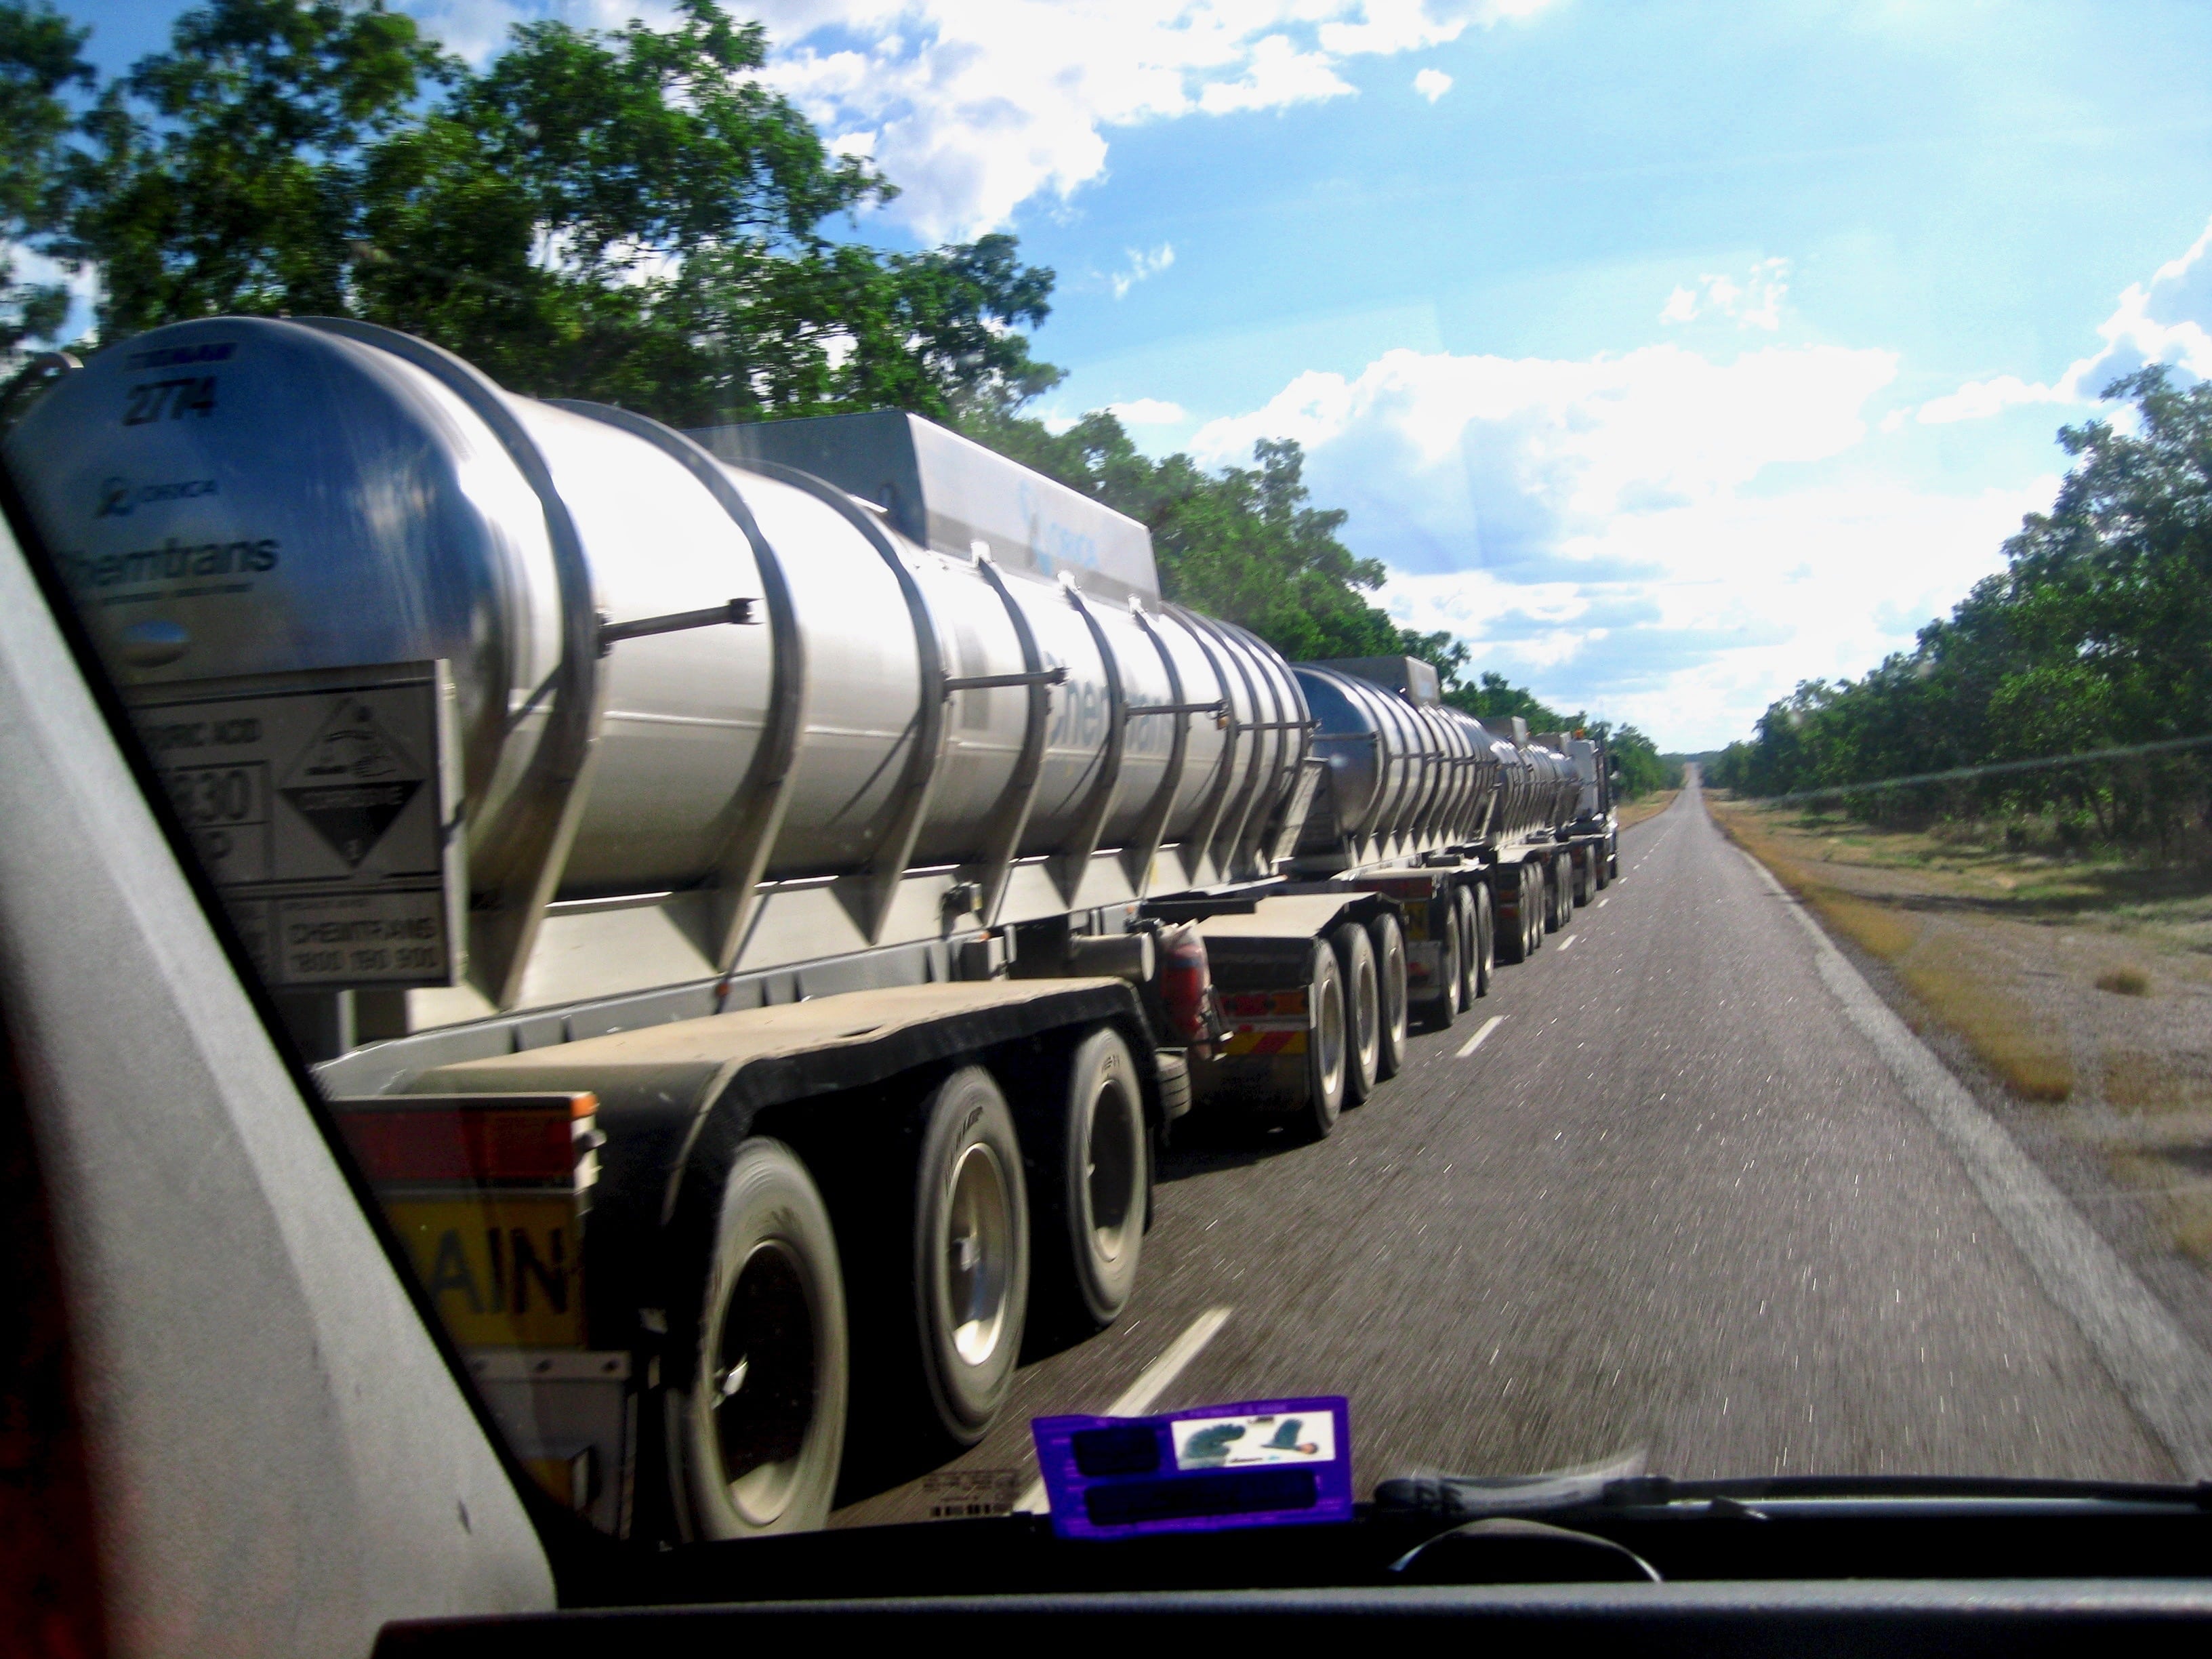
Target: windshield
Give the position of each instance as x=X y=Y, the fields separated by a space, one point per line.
x=933 y=716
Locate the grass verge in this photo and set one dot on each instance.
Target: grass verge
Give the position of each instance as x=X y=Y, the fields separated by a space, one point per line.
x=1646 y=807
x=1957 y=985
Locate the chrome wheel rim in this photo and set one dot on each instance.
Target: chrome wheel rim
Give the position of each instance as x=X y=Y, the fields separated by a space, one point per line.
x=1328 y=1032
x=1109 y=1174
x=1368 y=1002
x=761 y=1382
x=978 y=1254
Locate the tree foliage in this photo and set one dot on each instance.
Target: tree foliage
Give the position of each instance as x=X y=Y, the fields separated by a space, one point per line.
x=2097 y=635
x=39 y=62
x=629 y=215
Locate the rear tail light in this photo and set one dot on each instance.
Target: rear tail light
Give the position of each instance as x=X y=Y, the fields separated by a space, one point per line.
x=527 y=1140
x=1186 y=982
x=489 y=1194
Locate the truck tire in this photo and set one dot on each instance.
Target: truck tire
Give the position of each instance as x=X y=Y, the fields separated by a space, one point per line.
x=1535 y=889
x=1558 y=894
x=1486 y=938
x=1363 y=1009
x=1585 y=862
x=1442 y=1009
x=1463 y=921
x=1325 y=1043
x=971 y=1252
x=1601 y=867
x=756 y=1425
x=1093 y=1180
x=1512 y=926
x=1389 y=941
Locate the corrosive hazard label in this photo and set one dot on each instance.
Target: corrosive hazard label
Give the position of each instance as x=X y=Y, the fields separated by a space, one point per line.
x=352 y=779
x=324 y=805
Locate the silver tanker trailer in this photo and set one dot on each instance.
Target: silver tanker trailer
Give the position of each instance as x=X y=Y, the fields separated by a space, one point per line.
x=753 y=900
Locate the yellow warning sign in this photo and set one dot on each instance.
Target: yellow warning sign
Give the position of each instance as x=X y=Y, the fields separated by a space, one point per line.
x=503 y=1269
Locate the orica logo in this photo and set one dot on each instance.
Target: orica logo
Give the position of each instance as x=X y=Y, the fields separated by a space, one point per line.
x=119 y=497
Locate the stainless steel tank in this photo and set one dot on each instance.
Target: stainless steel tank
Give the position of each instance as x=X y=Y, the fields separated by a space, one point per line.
x=352 y=497
x=1402 y=777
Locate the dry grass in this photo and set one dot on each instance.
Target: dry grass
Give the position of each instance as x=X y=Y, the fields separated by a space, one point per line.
x=2138 y=1082
x=2179 y=1196
x=2125 y=982
x=1963 y=989
x=1648 y=806
x=1958 y=987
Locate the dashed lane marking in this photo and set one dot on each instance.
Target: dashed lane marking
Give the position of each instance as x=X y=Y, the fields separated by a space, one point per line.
x=1602 y=903
x=1481 y=1036
x=1151 y=1383
x=1568 y=942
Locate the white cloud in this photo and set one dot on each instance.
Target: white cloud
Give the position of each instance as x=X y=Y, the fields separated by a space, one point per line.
x=1733 y=601
x=2161 y=322
x=1280 y=75
x=1612 y=530
x=1433 y=84
x=978 y=106
x=1755 y=303
x=29 y=268
x=1148 y=411
x=1141 y=265
x=974 y=107
x=1977 y=400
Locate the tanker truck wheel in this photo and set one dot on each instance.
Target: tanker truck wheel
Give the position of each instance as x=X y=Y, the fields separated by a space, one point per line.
x=1558 y=892
x=1585 y=861
x=1325 y=1043
x=756 y=1425
x=1486 y=938
x=1091 y=1180
x=1600 y=867
x=1362 y=1009
x=1534 y=897
x=1444 y=1007
x=1512 y=926
x=1389 y=941
x=1463 y=921
x=971 y=1252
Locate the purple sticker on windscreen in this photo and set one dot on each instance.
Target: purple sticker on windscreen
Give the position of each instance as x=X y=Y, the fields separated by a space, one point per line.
x=1260 y=1463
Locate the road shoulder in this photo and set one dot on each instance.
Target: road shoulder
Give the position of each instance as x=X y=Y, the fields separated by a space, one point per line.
x=2157 y=1362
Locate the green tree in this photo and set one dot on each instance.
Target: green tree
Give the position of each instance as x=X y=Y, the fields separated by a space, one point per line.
x=628 y=215
x=39 y=62
x=1492 y=699
x=2097 y=635
x=225 y=175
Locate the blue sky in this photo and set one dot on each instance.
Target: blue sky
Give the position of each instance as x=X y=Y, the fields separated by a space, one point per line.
x=1668 y=353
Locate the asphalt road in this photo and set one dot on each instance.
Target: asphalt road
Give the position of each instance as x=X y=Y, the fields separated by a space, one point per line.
x=1676 y=1202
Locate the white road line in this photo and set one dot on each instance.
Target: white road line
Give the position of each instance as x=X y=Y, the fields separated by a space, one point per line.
x=1151 y=1383
x=1568 y=940
x=1481 y=1037
x=1602 y=903
x=2166 y=1376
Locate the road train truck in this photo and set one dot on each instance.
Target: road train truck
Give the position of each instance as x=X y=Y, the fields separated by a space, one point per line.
x=754 y=900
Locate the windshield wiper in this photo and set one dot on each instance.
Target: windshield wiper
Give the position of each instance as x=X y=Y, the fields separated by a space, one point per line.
x=1468 y=1498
